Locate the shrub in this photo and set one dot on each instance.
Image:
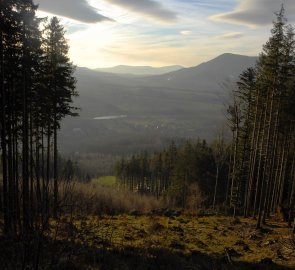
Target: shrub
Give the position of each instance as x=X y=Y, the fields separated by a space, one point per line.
x=87 y=198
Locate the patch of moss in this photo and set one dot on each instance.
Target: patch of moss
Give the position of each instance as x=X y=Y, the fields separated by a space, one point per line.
x=210 y=236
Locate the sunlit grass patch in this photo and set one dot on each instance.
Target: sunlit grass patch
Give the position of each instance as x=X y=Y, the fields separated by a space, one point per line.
x=105 y=181
x=210 y=236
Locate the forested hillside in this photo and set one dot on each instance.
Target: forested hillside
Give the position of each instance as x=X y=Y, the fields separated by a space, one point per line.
x=189 y=103
x=260 y=177
x=185 y=176
x=192 y=169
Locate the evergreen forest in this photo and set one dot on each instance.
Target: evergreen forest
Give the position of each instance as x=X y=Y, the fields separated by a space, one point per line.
x=196 y=203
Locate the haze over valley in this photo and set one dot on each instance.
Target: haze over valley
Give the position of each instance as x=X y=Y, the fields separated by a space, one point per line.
x=147 y=135
x=139 y=112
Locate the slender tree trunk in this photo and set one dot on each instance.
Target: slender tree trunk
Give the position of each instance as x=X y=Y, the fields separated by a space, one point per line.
x=279 y=173
x=267 y=161
x=38 y=186
x=55 y=170
x=32 y=188
x=43 y=173
x=10 y=173
x=291 y=203
x=257 y=157
x=47 y=170
x=17 y=187
x=276 y=179
x=273 y=161
x=253 y=149
x=229 y=175
x=234 y=187
x=283 y=173
x=25 y=157
x=4 y=141
x=216 y=184
x=261 y=166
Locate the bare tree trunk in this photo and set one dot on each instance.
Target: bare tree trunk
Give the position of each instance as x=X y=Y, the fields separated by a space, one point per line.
x=37 y=171
x=276 y=180
x=273 y=161
x=47 y=170
x=283 y=173
x=43 y=194
x=267 y=161
x=32 y=195
x=4 y=142
x=10 y=172
x=259 y=144
x=254 y=146
x=17 y=188
x=234 y=167
x=279 y=173
x=261 y=166
x=25 y=151
x=229 y=175
x=216 y=184
x=291 y=203
x=55 y=170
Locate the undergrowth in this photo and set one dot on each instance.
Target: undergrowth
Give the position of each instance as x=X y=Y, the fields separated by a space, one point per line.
x=96 y=199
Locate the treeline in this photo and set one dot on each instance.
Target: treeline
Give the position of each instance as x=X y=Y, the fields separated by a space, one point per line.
x=185 y=175
x=92 y=165
x=36 y=90
x=255 y=174
x=262 y=120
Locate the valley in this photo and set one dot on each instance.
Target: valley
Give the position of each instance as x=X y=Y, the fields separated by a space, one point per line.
x=185 y=104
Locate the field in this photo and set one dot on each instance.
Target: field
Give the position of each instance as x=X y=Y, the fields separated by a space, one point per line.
x=105 y=181
x=178 y=242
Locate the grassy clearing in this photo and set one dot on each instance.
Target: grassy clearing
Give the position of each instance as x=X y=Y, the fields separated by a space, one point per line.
x=105 y=181
x=127 y=228
x=210 y=236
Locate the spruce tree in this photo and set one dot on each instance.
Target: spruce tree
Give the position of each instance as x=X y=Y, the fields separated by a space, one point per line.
x=60 y=86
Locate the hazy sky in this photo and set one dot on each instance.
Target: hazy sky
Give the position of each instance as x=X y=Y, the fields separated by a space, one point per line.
x=103 y=33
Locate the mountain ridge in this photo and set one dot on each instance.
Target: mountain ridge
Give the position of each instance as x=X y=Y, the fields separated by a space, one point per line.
x=187 y=103
x=230 y=64
x=139 y=70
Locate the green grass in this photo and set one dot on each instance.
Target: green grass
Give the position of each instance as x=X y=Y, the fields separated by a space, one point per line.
x=105 y=180
x=185 y=235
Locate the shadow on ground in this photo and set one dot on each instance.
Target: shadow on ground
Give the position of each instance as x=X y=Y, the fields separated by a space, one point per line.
x=66 y=255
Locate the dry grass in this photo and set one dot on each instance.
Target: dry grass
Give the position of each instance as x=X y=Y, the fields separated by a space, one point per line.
x=93 y=199
x=184 y=235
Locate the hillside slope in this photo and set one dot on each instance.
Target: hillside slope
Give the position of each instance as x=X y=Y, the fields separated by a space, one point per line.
x=139 y=70
x=134 y=113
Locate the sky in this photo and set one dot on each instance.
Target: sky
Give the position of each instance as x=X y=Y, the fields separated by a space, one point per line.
x=105 y=33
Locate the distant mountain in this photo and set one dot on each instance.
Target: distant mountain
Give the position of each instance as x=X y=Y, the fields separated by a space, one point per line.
x=139 y=70
x=208 y=75
x=122 y=114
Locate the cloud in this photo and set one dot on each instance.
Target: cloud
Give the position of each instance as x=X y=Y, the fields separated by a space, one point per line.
x=186 y=33
x=149 y=8
x=255 y=13
x=73 y=27
x=79 y=10
x=231 y=35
